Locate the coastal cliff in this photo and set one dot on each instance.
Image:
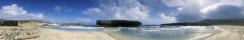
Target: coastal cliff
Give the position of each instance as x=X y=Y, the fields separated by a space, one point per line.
x=118 y=23
x=239 y=22
x=208 y=22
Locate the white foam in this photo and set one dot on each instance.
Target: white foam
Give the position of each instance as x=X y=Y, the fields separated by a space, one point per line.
x=194 y=28
x=79 y=27
x=155 y=26
x=150 y=30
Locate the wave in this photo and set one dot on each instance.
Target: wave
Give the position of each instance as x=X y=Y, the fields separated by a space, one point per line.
x=170 y=33
x=79 y=27
x=195 y=28
x=155 y=32
x=149 y=28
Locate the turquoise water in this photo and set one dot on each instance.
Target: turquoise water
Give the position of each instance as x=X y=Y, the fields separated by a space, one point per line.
x=149 y=32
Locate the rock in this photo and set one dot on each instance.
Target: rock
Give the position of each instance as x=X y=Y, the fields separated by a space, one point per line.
x=118 y=23
x=8 y=23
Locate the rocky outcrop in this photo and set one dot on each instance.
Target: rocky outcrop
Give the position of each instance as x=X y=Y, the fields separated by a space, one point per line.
x=8 y=23
x=118 y=23
x=239 y=22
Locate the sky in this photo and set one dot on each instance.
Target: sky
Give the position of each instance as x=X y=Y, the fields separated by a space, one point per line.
x=145 y=11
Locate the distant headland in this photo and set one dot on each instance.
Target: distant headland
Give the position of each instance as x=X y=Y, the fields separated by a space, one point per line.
x=118 y=23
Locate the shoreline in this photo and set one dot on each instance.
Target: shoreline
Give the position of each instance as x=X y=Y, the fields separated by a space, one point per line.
x=228 y=32
x=219 y=32
x=216 y=30
x=113 y=35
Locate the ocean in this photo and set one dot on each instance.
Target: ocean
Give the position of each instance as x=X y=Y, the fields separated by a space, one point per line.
x=149 y=32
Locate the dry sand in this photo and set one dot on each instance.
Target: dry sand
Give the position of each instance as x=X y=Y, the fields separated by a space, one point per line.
x=54 y=34
x=33 y=31
x=228 y=32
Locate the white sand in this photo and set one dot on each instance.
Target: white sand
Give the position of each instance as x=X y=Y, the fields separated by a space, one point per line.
x=200 y=36
x=52 y=34
x=228 y=33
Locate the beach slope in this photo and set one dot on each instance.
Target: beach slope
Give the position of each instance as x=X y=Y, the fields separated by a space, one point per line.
x=54 y=34
x=228 y=32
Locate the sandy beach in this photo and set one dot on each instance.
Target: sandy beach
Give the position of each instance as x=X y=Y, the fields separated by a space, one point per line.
x=53 y=34
x=32 y=31
x=228 y=32
x=224 y=32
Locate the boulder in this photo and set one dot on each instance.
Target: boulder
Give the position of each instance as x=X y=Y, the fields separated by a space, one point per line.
x=118 y=23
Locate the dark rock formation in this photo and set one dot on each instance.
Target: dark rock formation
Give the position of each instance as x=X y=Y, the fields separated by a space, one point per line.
x=239 y=22
x=118 y=23
x=8 y=23
x=186 y=24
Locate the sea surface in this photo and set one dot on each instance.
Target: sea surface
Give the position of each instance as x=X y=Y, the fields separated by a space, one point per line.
x=148 y=32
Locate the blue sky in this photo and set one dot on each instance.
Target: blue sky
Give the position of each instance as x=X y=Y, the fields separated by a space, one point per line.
x=146 y=11
x=65 y=10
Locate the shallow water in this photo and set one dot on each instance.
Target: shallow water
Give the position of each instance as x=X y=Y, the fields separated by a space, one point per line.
x=148 y=32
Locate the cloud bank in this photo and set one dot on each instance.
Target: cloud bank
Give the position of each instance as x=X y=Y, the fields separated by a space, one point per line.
x=167 y=11
x=14 y=12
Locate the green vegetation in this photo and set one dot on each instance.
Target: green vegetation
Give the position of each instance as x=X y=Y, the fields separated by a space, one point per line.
x=224 y=21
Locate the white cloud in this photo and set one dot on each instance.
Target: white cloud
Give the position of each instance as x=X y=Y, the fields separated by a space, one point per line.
x=145 y=10
x=14 y=12
x=131 y=10
x=167 y=18
x=218 y=9
x=196 y=10
x=210 y=8
x=173 y=3
x=86 y=21
x=225 y=12
x=137 y=13
x=93 y=11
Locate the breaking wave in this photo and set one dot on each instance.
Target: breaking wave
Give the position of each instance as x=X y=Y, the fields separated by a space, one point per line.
x=165 y=33
x=152 y=32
